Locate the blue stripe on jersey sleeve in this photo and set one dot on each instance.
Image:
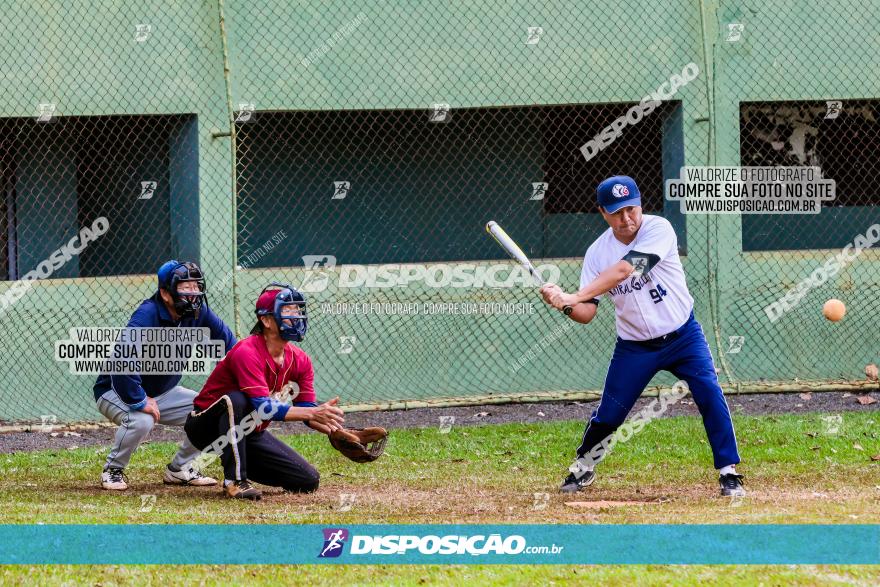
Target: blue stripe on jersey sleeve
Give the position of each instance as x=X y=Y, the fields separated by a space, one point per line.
x=267 y=405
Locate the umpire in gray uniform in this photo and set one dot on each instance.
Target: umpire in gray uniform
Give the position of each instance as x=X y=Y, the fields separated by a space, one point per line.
x=136 y=402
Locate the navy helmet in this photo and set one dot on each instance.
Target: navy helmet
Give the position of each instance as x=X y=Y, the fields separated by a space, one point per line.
x=171 y=274
x=272 y=301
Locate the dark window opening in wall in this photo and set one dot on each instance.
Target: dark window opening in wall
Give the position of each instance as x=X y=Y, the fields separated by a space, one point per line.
x=383 y=186
x=841 y=138
x=636 y=152
x=140 y=173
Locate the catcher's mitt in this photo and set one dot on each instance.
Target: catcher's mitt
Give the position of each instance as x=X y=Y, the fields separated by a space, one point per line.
x=362 y=445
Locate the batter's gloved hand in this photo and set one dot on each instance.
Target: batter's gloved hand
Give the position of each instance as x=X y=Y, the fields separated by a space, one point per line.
x=362 y=445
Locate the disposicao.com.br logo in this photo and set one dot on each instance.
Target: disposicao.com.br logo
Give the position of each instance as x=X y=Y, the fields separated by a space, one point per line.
x=334 y=541
x=401 y=544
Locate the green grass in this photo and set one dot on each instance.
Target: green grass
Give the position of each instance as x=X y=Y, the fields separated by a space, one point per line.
x=795 y=473
x=453 y=576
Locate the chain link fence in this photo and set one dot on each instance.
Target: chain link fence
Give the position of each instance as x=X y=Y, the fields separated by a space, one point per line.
x=107 y=118
x=358 y=152
x=796 y=85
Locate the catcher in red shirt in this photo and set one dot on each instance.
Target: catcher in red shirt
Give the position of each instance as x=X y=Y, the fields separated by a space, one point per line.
x=236 y=404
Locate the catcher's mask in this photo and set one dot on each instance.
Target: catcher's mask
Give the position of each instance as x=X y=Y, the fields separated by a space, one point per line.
x=187 y=304
x=273 y=300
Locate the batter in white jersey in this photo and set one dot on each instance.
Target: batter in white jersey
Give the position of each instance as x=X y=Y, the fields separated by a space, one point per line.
x=635 y=264
x=654 y=299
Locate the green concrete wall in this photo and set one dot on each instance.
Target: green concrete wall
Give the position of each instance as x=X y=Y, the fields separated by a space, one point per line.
x=83 y=57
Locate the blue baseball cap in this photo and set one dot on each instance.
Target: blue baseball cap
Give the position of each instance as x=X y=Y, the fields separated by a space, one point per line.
x=618 y=191
x=165 y=271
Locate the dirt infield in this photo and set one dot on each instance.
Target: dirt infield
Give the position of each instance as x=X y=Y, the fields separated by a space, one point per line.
x=747 y=404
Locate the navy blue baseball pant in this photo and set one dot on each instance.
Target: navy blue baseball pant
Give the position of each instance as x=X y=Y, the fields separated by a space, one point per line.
x=684 y=353
x=258 y=456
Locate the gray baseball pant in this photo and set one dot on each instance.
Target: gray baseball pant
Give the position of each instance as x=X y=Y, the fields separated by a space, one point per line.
x=134 y=425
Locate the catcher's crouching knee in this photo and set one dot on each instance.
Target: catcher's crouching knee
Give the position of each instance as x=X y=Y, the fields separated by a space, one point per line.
x=314 y=481
x=307 y=483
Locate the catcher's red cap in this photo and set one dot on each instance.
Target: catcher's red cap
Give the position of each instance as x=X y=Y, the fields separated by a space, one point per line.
x=266 y=302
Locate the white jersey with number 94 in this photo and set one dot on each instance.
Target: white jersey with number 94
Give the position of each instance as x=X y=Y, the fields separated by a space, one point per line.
x=654 y=300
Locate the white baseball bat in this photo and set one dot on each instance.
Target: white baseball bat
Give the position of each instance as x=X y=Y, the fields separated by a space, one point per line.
x=517 y=254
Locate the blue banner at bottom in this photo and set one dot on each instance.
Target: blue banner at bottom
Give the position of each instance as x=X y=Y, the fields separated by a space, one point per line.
x=440 y=544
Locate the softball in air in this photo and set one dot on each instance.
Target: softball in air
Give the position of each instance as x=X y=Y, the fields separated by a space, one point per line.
x=834 y=310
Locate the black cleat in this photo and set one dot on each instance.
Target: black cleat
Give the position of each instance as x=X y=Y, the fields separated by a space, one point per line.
x=574 y=484
x=731 y=485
